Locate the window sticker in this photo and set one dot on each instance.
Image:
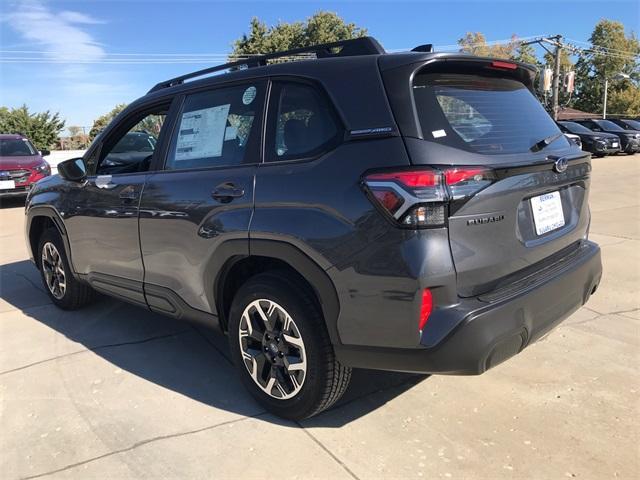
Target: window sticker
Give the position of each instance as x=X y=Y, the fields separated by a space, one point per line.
x=439 y=133
x=201 y=133
x=249 y=95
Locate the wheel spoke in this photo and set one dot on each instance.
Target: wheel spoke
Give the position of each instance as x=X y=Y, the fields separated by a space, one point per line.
x=269 y=387
x=281 y=389
x=296 y=366
x=293 y=340
x=294 y=381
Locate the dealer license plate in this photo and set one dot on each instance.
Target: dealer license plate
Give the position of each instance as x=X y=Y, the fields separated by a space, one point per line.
x=547 y=212
x=7 y=184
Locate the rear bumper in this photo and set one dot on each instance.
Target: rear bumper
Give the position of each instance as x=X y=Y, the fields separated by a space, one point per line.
x=492 y=328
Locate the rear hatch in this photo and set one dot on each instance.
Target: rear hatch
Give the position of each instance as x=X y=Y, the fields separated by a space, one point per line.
x=516 y=187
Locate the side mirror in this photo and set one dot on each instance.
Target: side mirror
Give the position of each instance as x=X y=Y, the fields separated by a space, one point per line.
x=44 y=153
x=73 y=170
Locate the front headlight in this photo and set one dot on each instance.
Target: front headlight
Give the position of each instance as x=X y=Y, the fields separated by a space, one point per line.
x=43 y=168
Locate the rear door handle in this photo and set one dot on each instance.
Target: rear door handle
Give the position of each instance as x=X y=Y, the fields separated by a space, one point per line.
x=226 y=192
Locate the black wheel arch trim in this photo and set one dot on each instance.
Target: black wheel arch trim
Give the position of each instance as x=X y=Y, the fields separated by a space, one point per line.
x=51 y=213
x=319 y=280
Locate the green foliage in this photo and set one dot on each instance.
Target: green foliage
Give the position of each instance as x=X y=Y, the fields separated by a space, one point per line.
x=593 y=67
x=566 y=64
x=475 y=43
x=624 y=101
x=41 y=128
x=526 y=54
x=322 y=27
x=102 y=121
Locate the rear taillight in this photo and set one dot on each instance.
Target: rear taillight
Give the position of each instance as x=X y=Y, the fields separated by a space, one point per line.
x=419 y=197
x=466 y=181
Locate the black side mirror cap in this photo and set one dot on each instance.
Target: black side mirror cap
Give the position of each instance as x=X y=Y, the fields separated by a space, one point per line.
x=73 y=170
x=44 y=153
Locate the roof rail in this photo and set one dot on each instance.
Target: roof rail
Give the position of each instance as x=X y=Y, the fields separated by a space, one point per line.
x=346 y=48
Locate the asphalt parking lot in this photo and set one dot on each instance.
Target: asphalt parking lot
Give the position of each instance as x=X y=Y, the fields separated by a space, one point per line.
x=113 y=391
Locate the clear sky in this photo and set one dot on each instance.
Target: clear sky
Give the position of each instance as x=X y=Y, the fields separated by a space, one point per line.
x=82 y=57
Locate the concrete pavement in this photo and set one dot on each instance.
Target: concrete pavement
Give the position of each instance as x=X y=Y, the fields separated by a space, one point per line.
x=114 y=391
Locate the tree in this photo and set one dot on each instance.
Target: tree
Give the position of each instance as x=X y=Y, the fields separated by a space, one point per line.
x=102 y=121
x=77 y=139
x=625 y=101
x=566 y=64
x=321 y=27
x=613 y=52
x=475 y=43
x=41 y=128
x=526 y=54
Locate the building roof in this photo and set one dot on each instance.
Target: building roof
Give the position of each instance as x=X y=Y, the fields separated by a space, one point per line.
x=572 y=114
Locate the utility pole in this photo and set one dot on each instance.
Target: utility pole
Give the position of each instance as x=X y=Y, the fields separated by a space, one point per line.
x=556 y=76
x=604 y=102
x=556 y=41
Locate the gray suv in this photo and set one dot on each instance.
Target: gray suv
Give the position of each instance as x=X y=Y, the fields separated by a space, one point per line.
x=415 y=211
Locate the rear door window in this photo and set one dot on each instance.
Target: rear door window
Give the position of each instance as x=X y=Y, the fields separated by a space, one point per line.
x=481 y=114
x=218 y=127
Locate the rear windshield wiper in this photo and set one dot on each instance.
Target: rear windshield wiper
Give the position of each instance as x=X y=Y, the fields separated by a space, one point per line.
x=545 y=142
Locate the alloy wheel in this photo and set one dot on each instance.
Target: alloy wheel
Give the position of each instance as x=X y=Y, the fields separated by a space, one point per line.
x=53 y=270
x=272 y=348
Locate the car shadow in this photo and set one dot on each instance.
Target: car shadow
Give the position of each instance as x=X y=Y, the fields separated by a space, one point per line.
x=187 y=358
x=12 y=202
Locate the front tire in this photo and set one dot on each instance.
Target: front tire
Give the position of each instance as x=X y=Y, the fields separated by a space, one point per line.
x=281 y=348
x=63 y=289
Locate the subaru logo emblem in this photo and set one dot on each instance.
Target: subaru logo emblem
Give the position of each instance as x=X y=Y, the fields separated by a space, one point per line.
x=561 y=165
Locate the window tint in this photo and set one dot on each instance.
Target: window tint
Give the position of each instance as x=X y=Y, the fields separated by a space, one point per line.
x=217 y=127
x=304 y=123
x=133 y=150
x=482 y=114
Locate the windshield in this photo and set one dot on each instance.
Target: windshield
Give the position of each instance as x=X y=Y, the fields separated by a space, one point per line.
x=633 y=124
x=16 y=147
x=482 y=114
x=607 y=125
x=575 y=127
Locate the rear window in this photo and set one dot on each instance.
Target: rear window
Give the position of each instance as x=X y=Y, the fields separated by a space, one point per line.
x=481 y=114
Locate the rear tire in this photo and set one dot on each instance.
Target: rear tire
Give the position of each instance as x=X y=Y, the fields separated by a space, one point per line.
x=63 y=289
x=277 y=331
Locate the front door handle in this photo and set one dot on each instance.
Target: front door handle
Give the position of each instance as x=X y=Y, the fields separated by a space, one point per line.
x=226 y=192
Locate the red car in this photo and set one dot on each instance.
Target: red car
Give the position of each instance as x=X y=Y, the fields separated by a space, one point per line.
x=21 y=165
